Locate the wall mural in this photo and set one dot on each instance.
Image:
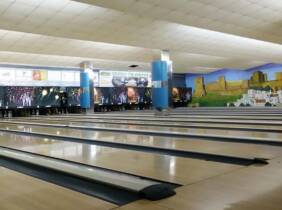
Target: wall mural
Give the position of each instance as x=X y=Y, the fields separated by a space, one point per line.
x=259 y=86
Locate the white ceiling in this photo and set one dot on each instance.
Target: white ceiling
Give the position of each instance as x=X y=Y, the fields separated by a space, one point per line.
x=8 y=57
x=258 y=19
x=202 y=35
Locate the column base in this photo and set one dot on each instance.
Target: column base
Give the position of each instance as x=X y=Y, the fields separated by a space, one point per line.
x=161 y=112
x=87 y=111
x=90 y=111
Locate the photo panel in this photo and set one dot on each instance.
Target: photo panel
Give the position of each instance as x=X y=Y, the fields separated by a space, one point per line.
x=19 y=97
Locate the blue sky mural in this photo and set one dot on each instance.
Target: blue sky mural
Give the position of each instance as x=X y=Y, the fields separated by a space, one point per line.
x=235 y=74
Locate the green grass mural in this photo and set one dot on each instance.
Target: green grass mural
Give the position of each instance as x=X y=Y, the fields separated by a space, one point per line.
x=213 y=99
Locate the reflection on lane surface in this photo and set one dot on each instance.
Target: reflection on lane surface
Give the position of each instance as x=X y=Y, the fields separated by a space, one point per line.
x=184 y=144
x=203 y=131
x=160 y=167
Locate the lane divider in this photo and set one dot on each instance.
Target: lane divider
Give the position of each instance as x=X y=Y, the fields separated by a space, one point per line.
x=140 y=187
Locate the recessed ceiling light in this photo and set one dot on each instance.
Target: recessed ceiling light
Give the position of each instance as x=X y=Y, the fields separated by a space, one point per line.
x=133 y=66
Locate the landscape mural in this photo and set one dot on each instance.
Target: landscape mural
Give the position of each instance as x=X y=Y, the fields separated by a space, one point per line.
x=259 y=86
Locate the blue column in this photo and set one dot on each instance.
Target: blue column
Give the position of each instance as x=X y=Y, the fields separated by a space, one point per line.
x=160 y=84
x=85 y=91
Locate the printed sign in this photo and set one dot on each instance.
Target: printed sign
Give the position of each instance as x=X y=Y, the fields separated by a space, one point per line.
x=124 y=78
x=29 y=77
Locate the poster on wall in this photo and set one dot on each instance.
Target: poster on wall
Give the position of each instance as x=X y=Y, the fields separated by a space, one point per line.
x=95 y=78
x=145 y=95
x=73 y=94
x=106 y=78
x=47 y=96
x=181 y=94
x=102 y=96
x=124 y=78
x=119 y=95
x=19 y=97
x=133 y=95
x=259 y=86
x=2 y=97
x=39 y=75
x=97 y=96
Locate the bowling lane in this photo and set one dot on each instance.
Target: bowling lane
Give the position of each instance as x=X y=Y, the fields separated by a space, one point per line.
x=165 y=124
x=177 y=117
x=160 y=167
x=162 y=119
x=190 y=112
x=22 y=192
x=181 y=144
x=253 y=188
x=256 y=114
x=218 y=115
x=260 y=135
x=224 y=110
x=230 y=109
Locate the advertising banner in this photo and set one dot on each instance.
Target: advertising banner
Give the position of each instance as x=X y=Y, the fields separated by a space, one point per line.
x=39 y=75
x=125 y=78
x=54 y=77
x=7 y=77
x=95 y=78
x=30 y=77
x=23 y=76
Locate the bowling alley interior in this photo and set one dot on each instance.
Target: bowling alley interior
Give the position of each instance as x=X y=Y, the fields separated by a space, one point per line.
x=140 y=105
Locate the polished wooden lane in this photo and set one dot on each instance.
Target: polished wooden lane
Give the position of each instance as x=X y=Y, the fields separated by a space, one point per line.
x=275 y=136
x=68 y=121
x=182 y=144
x=211 y=110
x=163 y=119
x=270 y=116
x=219 y=115
x=160 y=167
x=22 y=192
x=177 y=117
x=251 y=188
